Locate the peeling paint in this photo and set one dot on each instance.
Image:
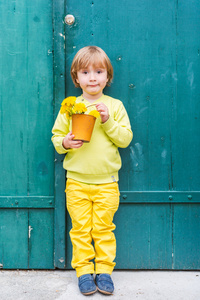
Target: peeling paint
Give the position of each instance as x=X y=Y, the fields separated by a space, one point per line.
x=190 y=75
x=174 y=76
x=163 y=76
x=147 y=81
x=137 y=157
x=62 y=35
x=164 y=153
x=14 y=53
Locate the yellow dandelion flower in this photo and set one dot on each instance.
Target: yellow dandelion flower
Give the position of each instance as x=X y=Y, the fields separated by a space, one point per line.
x=67 y=114
x=69 y=101
x=79 y=108
x=94 y=113
x=63 y=109
x=67 y=106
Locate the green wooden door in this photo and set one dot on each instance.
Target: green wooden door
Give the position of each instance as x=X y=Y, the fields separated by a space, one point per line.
x=154 y=48
x=26 y=152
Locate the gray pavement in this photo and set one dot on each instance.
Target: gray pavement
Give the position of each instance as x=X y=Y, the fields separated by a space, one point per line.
x=62 y=285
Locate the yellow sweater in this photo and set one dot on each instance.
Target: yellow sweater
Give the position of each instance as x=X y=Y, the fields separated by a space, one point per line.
x=98 y=161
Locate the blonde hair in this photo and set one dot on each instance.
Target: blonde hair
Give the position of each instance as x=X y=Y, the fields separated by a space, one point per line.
x=91 y=55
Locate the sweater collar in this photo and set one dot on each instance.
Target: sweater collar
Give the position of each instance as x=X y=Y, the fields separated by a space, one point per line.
x=93 y=102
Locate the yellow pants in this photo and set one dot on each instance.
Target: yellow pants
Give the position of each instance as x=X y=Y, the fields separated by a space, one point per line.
x=92 y=208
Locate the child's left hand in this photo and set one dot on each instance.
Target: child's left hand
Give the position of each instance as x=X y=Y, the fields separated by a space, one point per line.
x=103 y=110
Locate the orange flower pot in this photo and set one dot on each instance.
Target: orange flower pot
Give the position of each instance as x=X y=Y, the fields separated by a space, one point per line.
x=82 y=126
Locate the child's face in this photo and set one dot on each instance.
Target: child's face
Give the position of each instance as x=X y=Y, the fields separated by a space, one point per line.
x=92 y=81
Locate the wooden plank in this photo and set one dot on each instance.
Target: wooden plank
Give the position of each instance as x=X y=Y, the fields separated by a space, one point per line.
x=41 y=239
x=148 y=60
x=159 y=197
x=68 y=243
x=59 y=95
x=39 y=108
x=26 y=91
x=13 y=77
x=186 y=238
x=26 y=202
x=14 y=238
x=186 y=106
x=144 y=240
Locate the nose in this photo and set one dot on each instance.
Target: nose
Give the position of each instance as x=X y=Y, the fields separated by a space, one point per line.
x=92 y=76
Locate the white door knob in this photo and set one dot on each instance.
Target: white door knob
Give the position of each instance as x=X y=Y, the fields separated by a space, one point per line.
x=69 y=19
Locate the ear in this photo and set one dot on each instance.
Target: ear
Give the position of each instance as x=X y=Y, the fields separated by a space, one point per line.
x=77 y=80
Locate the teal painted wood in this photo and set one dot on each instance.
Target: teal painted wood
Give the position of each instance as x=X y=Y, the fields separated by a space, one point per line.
x=141 y=49
x=154 y=48
x=59 y=95
x=14 y=238
x=41 y=239
x=26 y=202
x=26 y=118
x=68 y=243
x=186 y=242
x=159 y=197
x=186 y=104
x=26 y=238
x=145 y=239
x=26 y=90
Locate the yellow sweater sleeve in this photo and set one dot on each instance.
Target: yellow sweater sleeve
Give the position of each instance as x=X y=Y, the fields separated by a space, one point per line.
x=118 y=128
x=60 y=129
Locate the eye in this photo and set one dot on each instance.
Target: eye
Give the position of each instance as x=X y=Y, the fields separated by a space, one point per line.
x=99 y=71
x=83 y=71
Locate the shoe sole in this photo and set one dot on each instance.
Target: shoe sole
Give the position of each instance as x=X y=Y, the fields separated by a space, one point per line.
x=90 y=293
x=104 y=292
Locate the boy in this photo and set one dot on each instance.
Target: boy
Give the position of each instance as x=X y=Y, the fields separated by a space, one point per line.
x=92 y=171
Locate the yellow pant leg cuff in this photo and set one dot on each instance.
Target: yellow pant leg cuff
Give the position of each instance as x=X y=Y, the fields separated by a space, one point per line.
x=84 y=270
x=101 y=268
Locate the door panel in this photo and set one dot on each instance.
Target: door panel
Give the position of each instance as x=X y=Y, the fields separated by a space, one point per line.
x=186 y=242
x=13 y=238
x=26 y=118
x=144 y=236
x=26 y=98
x=26 y=238
x=41 y=240
x=186 y=105
x=153 y=47
x=142 y=50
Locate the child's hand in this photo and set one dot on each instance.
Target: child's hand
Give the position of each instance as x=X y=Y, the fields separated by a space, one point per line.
x=68 y=141
x=103 y=110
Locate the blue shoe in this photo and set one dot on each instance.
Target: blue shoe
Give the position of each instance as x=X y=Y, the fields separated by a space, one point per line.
x=86 y=284
x=104 y=284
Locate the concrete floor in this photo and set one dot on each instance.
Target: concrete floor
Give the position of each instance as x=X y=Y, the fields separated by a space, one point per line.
x=62 y=285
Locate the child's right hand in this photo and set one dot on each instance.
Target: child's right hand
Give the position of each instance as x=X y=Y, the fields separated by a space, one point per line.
x=68 y=141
